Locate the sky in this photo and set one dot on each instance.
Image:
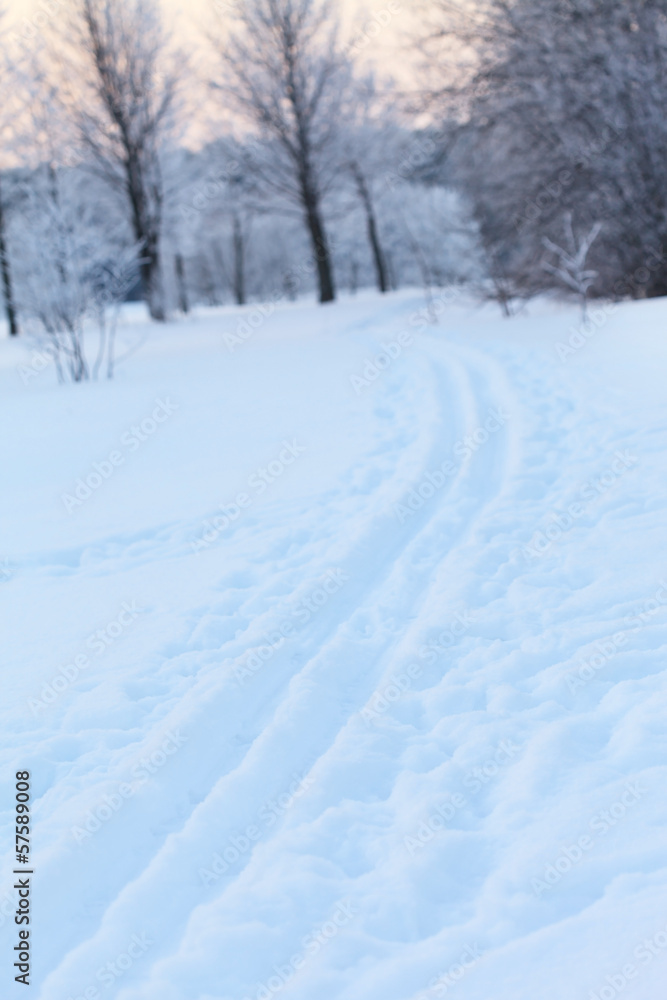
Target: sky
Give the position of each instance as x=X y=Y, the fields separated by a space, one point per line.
x=375 y=29
x=378 y=24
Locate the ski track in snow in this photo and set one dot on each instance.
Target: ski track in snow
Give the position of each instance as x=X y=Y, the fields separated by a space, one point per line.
x=370 y=778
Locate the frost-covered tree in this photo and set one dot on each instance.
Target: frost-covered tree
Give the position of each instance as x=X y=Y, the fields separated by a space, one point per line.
x=74 y=267
x=570 y=266
x=559 y=107
x=209 y=223
x=284 y=72
x=370 y=141
x=9 y=81
x=8 y=296
x=122 y=100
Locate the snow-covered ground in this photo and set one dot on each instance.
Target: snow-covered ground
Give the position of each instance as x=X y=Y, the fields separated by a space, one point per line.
x=342 y=682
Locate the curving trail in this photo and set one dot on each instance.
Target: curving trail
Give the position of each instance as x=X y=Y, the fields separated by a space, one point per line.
x=460 y=691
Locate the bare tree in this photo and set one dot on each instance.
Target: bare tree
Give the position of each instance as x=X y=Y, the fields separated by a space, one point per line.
x=5 y=271
x=571 y=267
x=560 y=108
x=284 y=72
x=216 y=207
x=237 y=208
x=364 y=190
x=122 y=100
x=368 y=146
x=73 y=268
x=5 y=267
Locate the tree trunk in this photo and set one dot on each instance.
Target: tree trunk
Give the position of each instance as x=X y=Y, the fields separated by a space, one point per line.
x=391 y=272
x=354 y=276
x=183 y=303
x=7 y=289
x=371 y=224
x=239 y=263
x=147 y=232
x=378 y=256
x=656 y=286
x=151 y=278
x=321 y=252
x=318 y=236
x=290 y=286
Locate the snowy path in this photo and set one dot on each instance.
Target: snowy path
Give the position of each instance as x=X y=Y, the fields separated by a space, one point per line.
x=302 y=812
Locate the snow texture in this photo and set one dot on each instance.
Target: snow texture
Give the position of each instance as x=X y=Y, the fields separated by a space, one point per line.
x=383 y=722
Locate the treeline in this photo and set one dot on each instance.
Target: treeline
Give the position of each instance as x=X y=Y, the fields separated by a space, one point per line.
x=560 y=140
x=541 y=171
x=304 y=177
